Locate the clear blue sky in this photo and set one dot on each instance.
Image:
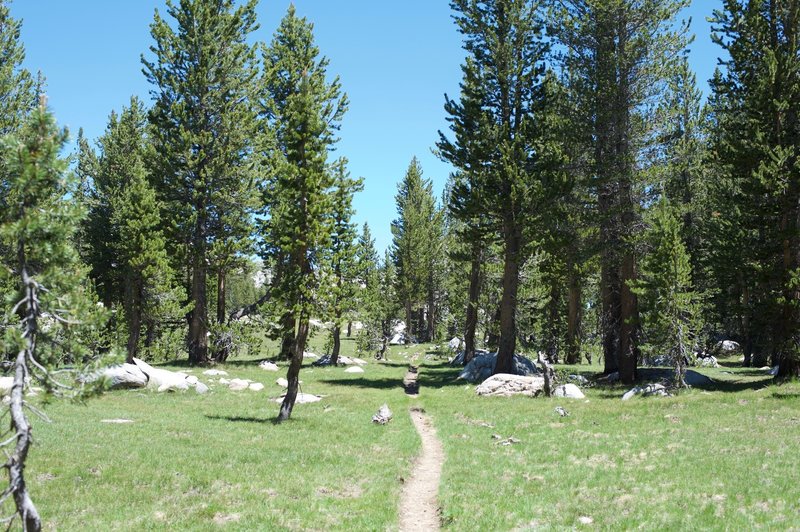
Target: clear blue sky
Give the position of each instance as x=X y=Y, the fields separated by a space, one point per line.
x=396 y=60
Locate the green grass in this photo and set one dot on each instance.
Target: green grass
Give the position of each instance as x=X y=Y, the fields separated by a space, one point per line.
x=708 y=459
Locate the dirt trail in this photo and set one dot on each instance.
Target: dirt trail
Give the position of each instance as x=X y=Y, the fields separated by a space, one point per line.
x=419 y=509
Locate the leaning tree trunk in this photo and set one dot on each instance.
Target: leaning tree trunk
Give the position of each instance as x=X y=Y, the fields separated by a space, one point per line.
x=293 y=374
x=19 y=423
x=350 y=328
x=471 y=321
x=287 y=336
x=336 y=334
x=508 y=302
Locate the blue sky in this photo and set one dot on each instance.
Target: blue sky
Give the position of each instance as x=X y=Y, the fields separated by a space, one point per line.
x=396 y=60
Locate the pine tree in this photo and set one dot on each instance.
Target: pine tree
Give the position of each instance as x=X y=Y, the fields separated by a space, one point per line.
x=669 y=303
x=617 y=56
x=502 y=98
x=416 y=236
x=50 y=319
x=204 y=125
x=17 y=97
x=757 y=139
x=343 y=252
x=303 y=110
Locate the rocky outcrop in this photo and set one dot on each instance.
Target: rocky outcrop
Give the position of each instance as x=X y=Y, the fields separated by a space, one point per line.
x=504 y=385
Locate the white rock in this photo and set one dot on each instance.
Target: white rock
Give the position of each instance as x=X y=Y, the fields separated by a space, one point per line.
x=454 y=344
x=283 y=383
x=645 y=391
x=708 y=362
x=569 y=391
x=238 y=385
x=383 y=415
x=214 y=372
x=200 y=388
x=359 y=361
x=256 y=386
x=121 y=376
x=116 y=421
x=354 y=369
x=224 y=381
x=192 y=379
x=268 y=366
x=161 y=379
x=773 y=370
x=309 y=354
x=6 y=384
x=504 y=384
x=302 y=398
x=347 y=361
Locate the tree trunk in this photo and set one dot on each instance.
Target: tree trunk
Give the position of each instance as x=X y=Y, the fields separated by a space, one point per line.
x=198 y=326
x=408 y=322
x=293 y=374
x=471 y=321
x=134 y=313
x=747 y=342
x=431 y=315
x=16 y=462
x=19 y=423
x=610 y=314
x=629 y=323
x=287 y=336
x=508 y=302
x=552 y=319
x=574 y=318
x=493 y=336
x=337 y=342
x=349 y=329
x=221 y=296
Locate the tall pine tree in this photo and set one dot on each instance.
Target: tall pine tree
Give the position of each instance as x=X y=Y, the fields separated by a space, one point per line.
x=203 y=74
x=303 y=110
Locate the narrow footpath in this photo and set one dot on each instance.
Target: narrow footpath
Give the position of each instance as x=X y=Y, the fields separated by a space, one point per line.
x=419 y=508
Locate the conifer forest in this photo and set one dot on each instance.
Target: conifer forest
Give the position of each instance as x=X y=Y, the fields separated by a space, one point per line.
x=610 y=229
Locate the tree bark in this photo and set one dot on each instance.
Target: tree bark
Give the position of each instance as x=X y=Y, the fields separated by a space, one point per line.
x=431 y=314
x=198 y=326
x=408 y=322
x=221 y=296
x=349 y=328
x=336 y=333
x=19 y=423
x=552 y=319
x=508 y=302
x=287 y=336
x=134 y=313
x=471 y=321
x=293 y=374
x=573 y=318
x=629 y=323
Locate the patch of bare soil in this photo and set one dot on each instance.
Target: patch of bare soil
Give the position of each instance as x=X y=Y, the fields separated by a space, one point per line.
x=419 y=508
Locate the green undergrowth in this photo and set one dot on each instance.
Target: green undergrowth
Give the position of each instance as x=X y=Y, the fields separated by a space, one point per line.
x=722 y=457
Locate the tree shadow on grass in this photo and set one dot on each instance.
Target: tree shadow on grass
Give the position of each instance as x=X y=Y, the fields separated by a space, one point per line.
x=363 y=382
x=242 y=419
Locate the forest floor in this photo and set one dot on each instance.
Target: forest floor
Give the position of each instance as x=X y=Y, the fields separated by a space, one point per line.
x=722 y=457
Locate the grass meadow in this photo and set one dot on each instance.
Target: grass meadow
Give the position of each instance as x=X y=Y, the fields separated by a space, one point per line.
x=723 y=457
